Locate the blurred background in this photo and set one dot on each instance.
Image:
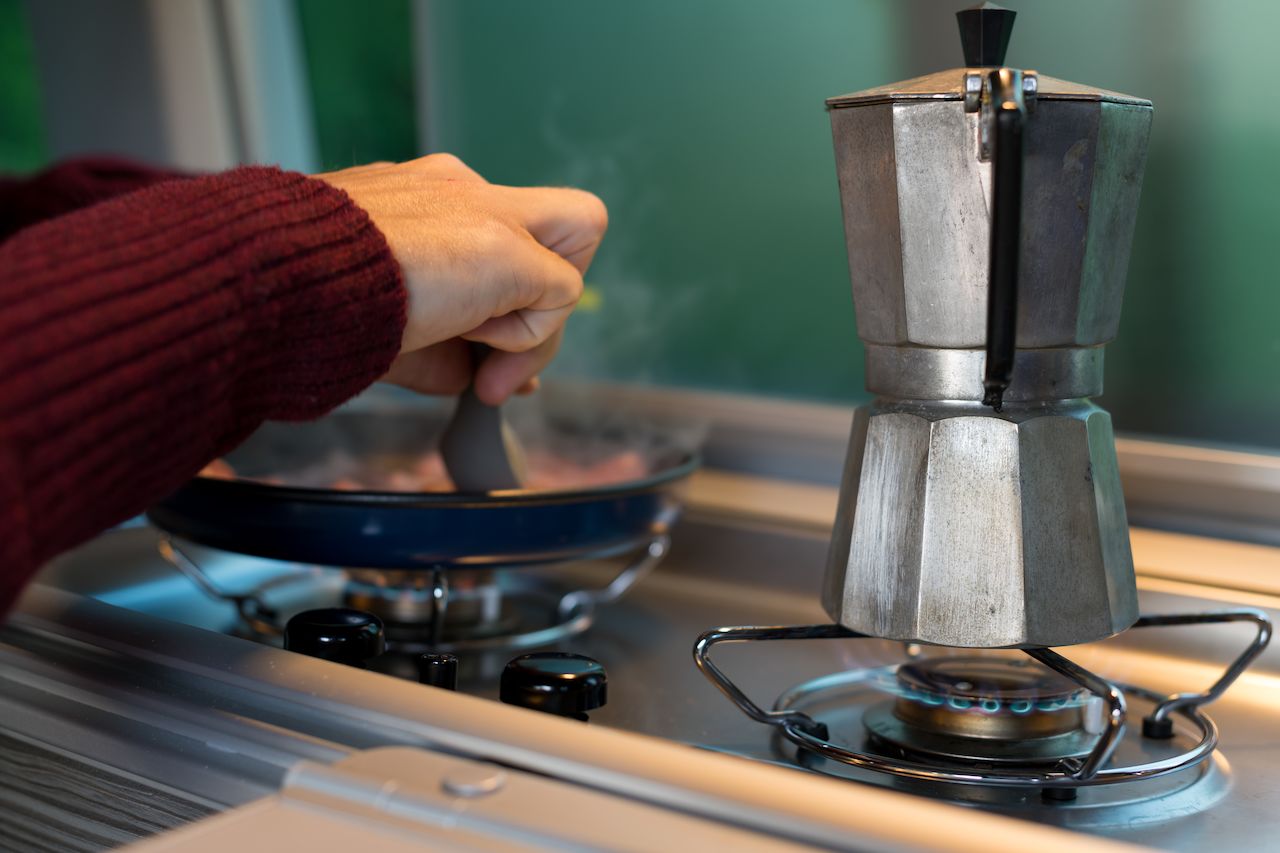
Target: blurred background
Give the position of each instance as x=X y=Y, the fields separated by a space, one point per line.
x=701 y=125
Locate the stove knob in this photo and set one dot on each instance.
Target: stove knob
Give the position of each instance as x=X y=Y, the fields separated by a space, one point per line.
x=438 y=671
x=339 y=634
x=555 y=682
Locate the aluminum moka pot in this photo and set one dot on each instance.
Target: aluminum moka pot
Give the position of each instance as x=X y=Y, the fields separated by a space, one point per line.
x=988 y=214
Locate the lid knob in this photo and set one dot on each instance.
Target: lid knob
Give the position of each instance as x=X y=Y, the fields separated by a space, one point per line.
x=339 y=634
x=555 y=682
x=984 y=34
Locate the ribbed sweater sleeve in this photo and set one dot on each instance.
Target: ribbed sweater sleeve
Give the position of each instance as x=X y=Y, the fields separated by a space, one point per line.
x=144 y=336
x=72 y=185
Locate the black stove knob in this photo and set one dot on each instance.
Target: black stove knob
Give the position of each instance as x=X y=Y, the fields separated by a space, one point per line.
x=555 y=682
x=339 y=634
x=438 y=670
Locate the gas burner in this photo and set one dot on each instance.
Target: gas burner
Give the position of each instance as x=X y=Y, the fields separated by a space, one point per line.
x=438 y=610
x=976 y=709
x=1042 y=722
x=464 y=605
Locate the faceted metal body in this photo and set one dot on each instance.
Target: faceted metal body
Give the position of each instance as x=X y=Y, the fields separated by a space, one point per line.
x=917 y=218
x=963 y=529
x=958 y=525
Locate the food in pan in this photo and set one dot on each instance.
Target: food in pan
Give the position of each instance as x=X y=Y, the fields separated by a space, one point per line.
x=546 y=471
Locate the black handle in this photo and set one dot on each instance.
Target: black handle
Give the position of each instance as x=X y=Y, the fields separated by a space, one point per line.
x=1009 y=116
x=479 y=352
x=984 y=34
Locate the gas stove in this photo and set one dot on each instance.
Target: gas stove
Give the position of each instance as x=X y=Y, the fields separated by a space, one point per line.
x=995 y=732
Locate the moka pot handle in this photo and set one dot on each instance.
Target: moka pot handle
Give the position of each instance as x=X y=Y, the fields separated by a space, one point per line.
x=1008 y=117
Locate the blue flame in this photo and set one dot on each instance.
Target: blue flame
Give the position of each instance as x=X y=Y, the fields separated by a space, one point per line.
x=885 y=679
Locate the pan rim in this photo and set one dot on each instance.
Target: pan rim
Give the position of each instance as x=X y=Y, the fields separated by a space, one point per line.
x=687 y=464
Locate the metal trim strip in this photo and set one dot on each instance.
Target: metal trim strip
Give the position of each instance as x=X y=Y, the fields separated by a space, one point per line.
x=374 y=709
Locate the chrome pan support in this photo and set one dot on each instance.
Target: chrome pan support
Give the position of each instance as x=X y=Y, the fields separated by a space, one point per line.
x=1068 y=774
x=575 y=610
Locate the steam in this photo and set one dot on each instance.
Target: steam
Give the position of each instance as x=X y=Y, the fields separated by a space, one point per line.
x=622 y=337
x=577 y=443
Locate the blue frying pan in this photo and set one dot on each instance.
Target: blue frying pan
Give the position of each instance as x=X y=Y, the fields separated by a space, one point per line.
x=407 y=530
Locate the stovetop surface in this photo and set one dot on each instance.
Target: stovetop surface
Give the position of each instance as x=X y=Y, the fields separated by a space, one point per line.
x=721 y=573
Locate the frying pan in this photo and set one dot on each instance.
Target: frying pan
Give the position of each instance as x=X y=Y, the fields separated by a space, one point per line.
x=408 y=530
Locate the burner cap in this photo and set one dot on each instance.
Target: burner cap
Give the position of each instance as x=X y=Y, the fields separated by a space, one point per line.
x=976 y=688
x=983 y=709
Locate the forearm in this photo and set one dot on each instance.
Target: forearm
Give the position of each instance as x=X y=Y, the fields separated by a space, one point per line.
x=142 y=337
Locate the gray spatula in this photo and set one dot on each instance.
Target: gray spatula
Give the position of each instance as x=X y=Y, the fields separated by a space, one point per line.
x=480 y=450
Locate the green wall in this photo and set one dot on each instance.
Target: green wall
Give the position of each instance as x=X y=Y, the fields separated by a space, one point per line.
x=360 y=63
x=22 y=146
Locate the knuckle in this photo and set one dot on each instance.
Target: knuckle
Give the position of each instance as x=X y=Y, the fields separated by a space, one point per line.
x=443 y=161
x=571 y=285
x=594 y=212
x=522 y=335
x=449 y=167
x=525 y=285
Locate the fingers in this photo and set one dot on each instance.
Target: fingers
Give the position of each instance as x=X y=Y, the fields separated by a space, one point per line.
x=520 y=331
x=499 y=265
x=535 y=291
x=502 y=374
x=447 y=369
x=569 y=222
x=443 y=368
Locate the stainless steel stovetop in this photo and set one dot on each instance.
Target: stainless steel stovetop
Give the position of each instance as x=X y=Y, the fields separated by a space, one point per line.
x=729 y=571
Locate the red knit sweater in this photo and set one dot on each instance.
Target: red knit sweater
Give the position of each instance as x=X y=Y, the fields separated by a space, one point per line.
x=149 y=322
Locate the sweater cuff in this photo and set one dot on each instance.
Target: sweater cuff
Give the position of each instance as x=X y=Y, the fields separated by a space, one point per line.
x=327 y=294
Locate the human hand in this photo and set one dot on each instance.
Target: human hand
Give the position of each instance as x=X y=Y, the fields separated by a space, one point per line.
x=481 y=262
